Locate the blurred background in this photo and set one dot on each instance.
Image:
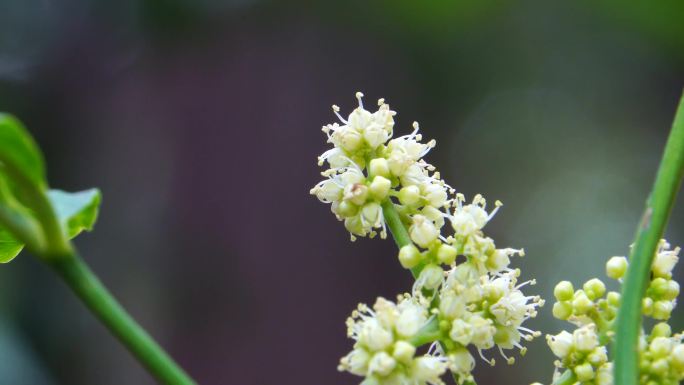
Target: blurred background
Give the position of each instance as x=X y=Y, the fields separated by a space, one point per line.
x=200 y=121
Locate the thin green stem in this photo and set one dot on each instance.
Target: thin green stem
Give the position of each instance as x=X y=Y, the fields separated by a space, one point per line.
x=97 y=298
x=398 y=230
x=649 y=233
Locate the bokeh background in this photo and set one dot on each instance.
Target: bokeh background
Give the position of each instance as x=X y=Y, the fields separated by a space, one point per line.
x=200 y=121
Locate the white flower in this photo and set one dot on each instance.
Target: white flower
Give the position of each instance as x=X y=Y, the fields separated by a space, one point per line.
x=423 y=232
x=560 y=344
x=585 y=338
x=665 y=260
x=468 y=219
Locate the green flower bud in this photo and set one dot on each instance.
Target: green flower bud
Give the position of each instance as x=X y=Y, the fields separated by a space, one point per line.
x=403 y=351
x=616 y=267
x=658 y=287
x=562 y=310
x=672 y=290
x=409 y=195
x=446 y=254
x=647 y=306
x=563 y=291
x=661 y=329
x=613 y=298
x=356 y=193
x=660 y=347
x=379 y=167
x=581 y=303
x=678 y=357
x=584 y=372
x=346 y=209
x=409 y=256
x=380 y=187
x=662 y=310
x=660 y=367
x=594 y=289
x=354 y=225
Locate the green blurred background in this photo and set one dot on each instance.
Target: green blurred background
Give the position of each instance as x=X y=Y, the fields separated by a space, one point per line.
x=200 y=122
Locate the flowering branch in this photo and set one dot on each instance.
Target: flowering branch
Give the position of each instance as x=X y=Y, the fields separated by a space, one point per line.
x=375 y=182
x=649 y=233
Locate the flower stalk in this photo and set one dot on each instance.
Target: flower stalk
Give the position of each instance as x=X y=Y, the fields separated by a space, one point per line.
x=650 y=231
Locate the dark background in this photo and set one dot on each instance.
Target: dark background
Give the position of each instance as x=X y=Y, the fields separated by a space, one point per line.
x=200 y=121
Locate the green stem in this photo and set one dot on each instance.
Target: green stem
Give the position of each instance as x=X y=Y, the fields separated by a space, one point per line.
x=398 y=230
x=649 y=233
x=567 y=378
x=96 y=297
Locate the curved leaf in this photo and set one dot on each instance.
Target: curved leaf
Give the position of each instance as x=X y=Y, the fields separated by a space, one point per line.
x=19 y=153
x=77 y=211
x=9 y=247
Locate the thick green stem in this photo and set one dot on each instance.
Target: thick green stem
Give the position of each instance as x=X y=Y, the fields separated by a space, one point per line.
x=649 y=233
x=96 y=297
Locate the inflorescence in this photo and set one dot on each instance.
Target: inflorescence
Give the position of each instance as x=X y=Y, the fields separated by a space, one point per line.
x=454 y=308
x=593 y=310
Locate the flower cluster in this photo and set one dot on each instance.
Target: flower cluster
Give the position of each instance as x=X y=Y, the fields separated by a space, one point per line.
x=384 y=352
x=455 y=307
x=367 y=166
x=593 y=310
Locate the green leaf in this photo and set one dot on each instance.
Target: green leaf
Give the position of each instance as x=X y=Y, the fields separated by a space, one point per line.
x=77 y=211
x=19 y=154
x=9 y=247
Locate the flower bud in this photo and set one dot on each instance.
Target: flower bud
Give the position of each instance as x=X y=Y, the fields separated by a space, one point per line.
x=382 y=364
x=661 y=329
x=375 y=336
x=423 y=231
x=356 y=362
x=349 y=139
x=403 y=351
x=616 y=267
x=375 y=135
x=560 y=344
x=563 y=291
x=446 y=254
x=585 y=338
x=461 y=332
x=613 y=298
x=662 y=310
x=409 y=195
x=436 y=195
x=647 y=306
x=581 y=303
x=379 y=167
x=356 y=193
x=678 y=357
x=380 y=187
x=372 y=213
x=562 y=310
x=428 y=369
x=672 y=290
x=584 y=372
x=430 y=277
x=345 y=209
x=598 y=356
x=664 y=263
x=660 y=347
x=594 y=289
x=660 y=367
x=409 y=256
